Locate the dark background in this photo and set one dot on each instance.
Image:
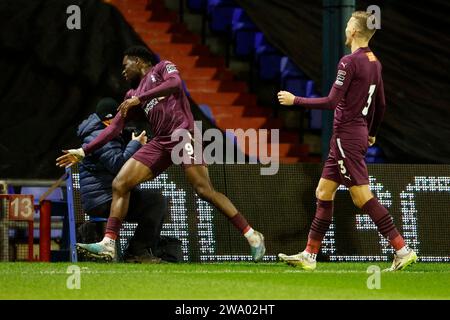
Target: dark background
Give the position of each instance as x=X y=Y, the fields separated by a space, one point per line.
x=51 y=77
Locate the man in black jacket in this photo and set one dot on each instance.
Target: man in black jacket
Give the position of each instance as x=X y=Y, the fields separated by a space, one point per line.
x=98 y=170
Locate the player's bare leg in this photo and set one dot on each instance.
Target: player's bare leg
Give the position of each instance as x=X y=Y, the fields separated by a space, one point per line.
x=364 y=199
x=198 y=177
x=306 y=259
x=130 y=175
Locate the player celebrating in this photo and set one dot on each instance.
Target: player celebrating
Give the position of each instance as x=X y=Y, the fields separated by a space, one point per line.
x=357 y=96
x=161 y=97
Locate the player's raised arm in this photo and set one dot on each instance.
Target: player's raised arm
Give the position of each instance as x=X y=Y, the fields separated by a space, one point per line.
x=343 y=79
x=73 y=156
x=172 y=83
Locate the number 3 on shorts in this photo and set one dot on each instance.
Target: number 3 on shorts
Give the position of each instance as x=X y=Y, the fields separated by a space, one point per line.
x=341 y=164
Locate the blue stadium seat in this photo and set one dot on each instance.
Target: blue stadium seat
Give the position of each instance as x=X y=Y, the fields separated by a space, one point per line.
x=374 y=160
x=292 y=78
x=243 y=33
x=267 y=58
x=315 y=118
x=374 y=151
x=310 y=91
x=220 y=13
x=206 y=110
x=11 y=189
x=374 y=155
x=196 y=5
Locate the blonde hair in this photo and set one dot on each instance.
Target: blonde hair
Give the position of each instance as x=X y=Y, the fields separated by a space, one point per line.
x=362 y=21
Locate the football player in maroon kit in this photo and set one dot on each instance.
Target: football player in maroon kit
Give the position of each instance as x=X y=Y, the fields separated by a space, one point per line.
x=159 y=97
x=357 y=98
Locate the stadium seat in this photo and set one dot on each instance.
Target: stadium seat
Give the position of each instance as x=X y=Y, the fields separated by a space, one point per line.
x=220 y=13
x=11 y=189
x=374 y=155
x=196 y=5
x=292 y=79
x=374 y=151
x=310 y=89
x=243 y=33
x=267 y=58
x=206 y=110
x=374 y=160
x=315 y=118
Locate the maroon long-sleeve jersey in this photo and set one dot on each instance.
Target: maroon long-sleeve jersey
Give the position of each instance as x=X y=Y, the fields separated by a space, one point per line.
x=164 y=115
x=357 y=95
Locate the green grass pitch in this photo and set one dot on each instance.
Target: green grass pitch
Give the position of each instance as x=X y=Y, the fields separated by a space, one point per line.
x=224 y=281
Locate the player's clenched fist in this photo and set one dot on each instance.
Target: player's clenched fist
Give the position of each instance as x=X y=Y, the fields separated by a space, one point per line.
x=70 y=157
x=127 y=104
x=286 y=98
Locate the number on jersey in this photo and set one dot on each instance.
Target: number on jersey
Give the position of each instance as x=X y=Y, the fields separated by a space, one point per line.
x=365 y=110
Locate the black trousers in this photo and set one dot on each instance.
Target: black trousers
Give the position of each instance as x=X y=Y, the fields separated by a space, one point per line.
x=148 y=208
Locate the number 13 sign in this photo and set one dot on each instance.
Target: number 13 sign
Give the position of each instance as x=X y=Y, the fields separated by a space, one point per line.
x=21 y=207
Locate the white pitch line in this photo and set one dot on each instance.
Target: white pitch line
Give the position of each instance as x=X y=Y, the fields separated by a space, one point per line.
x=84 y=270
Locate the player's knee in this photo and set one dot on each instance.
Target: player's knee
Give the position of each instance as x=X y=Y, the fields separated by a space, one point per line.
x=204 y=191
x=358 y=202
x=323 y=194
x=119 y=185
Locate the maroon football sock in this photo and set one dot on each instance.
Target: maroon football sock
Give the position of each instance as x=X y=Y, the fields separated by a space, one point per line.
x=113 y=228
x=320 y=225
x=384 y=222
x=240 y=223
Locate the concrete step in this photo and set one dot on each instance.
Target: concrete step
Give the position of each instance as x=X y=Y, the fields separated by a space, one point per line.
x=194 y=61
x=224 y=98
x=246 y=123
x=216 y=86
x=236 y=111
x=204 y=73
x=161 y=38
x=157 y=27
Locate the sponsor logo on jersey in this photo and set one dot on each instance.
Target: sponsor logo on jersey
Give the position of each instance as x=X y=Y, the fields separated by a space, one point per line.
x=340 y=77
x=149 y=106
x=171 y=68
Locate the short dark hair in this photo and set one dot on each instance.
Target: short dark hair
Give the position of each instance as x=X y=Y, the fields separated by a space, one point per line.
x=140 y=52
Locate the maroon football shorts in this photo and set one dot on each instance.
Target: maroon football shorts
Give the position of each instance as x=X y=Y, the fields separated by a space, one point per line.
x=156 y=154
x=345 y=164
